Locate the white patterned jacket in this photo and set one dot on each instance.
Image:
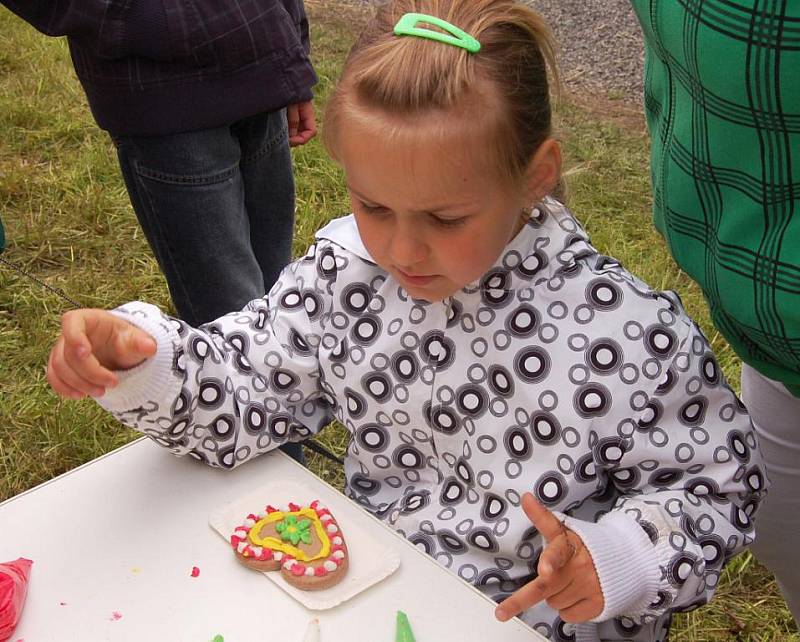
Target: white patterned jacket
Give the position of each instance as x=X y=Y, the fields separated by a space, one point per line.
x=558 y=372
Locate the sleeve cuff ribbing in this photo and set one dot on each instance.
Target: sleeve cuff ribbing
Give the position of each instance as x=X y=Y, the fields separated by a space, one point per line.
x=625 y=561
x=151 y=379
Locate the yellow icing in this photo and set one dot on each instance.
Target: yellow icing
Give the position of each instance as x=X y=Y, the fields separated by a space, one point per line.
x=277 y=545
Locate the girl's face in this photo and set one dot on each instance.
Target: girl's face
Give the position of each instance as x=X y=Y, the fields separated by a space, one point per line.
x=431 y=213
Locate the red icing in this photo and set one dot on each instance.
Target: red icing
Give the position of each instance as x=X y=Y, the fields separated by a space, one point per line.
x=241 y=534
x=195 y=571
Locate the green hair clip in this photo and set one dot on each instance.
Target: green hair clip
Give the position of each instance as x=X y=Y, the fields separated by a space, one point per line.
x=407 y=26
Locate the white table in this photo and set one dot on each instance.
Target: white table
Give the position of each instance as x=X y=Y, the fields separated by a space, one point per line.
x=114 y=542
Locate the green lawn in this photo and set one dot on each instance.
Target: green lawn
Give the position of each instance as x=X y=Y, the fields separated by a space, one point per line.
x=68 y=221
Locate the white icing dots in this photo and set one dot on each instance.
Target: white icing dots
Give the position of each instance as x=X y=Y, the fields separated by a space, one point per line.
x=309 y=571
x=330 y=566
x=240 y=547
x=337 y=540
x=332 y=528
x=278 y=556
x=249 y=523
x=288 y=564
x=338 y=554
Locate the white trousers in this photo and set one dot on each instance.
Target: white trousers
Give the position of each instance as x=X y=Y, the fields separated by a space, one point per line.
x=776 y=416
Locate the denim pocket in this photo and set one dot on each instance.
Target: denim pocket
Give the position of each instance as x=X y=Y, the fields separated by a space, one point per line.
x=185 y=179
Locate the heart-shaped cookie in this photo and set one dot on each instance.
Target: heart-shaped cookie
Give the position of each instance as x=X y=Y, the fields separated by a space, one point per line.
x=304 y=542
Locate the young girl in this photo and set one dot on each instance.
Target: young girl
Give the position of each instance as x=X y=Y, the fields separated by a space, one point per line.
x=489 y=364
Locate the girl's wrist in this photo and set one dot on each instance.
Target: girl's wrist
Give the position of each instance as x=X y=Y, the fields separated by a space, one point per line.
x=625 y=561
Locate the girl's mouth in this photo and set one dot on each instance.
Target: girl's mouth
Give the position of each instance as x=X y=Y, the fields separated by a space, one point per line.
x=415 y=280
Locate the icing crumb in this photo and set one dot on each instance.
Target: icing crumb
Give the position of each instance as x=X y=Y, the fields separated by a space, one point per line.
x=195 y=571
x=116 y=615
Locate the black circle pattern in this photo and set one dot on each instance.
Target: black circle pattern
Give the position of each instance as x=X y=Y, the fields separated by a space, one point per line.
x=557 y=373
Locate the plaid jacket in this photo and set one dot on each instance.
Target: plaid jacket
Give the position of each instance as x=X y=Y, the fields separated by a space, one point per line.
x=165 y=66
x=722 y=99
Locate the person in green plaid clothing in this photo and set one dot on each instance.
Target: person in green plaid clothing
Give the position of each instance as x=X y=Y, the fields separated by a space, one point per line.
x=722 y=100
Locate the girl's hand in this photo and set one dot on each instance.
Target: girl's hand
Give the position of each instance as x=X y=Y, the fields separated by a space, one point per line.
x=567 y=579
x=91 y=345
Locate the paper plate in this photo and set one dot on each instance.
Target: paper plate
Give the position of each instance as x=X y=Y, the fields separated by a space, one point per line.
x=370 y=560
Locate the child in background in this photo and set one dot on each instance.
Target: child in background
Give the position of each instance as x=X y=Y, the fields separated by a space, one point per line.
x=522 y=408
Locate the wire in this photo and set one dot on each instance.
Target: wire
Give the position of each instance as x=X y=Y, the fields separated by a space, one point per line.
x=309 y=443
x=52 y=289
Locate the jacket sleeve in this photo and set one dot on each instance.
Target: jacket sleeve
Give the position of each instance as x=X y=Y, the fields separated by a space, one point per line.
x=690 y=477
x=239 y=386
x=303 y=27
x=109 y=28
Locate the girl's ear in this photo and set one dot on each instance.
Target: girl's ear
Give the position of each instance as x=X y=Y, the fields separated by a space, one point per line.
x=543 y=171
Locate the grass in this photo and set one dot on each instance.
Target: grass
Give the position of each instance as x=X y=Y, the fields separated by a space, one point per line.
x=69 y=222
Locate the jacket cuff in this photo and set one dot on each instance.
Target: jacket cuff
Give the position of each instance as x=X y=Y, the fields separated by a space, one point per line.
x=152 y=379
x=625 y=562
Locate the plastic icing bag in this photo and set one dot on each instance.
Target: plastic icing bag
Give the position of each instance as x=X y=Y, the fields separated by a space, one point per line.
x=13 y=589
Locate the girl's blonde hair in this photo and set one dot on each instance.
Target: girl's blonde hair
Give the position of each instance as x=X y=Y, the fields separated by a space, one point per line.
x=402 y=77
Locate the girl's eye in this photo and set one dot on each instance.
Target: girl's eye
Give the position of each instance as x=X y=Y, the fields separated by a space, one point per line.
x=450 y=222
x=373 y=209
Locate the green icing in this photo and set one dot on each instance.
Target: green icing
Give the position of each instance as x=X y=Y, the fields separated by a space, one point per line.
x=293 y=531
x=403 y=632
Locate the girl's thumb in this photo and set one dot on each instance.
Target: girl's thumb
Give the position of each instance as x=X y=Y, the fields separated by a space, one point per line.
x=145 y=344
x=137 y=344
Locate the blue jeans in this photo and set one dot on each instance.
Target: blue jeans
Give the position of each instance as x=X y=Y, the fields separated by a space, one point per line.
x=217 y=208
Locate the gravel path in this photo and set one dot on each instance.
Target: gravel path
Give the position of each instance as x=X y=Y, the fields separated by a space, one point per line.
x=600 y=45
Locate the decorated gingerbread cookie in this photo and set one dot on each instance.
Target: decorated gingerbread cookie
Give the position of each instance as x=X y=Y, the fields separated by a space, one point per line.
x=304 y=542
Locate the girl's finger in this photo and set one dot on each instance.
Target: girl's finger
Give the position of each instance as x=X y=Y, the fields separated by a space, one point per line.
x=556 y=555
x=583 y=611
x=524 y=598
x=545 y=522
x=69 y=370
x=73 y=333
x=86 y=373
x=569 y=596
x=131 y=346
x=57 y=384
x=78 y=352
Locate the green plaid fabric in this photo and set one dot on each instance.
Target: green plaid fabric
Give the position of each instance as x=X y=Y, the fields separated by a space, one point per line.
x=722 y=99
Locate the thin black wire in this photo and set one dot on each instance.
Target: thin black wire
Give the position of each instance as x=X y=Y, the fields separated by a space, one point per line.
x=309 y=443
x=52 y=289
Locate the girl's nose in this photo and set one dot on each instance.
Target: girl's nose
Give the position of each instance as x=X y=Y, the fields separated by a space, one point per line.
x=407 y=248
